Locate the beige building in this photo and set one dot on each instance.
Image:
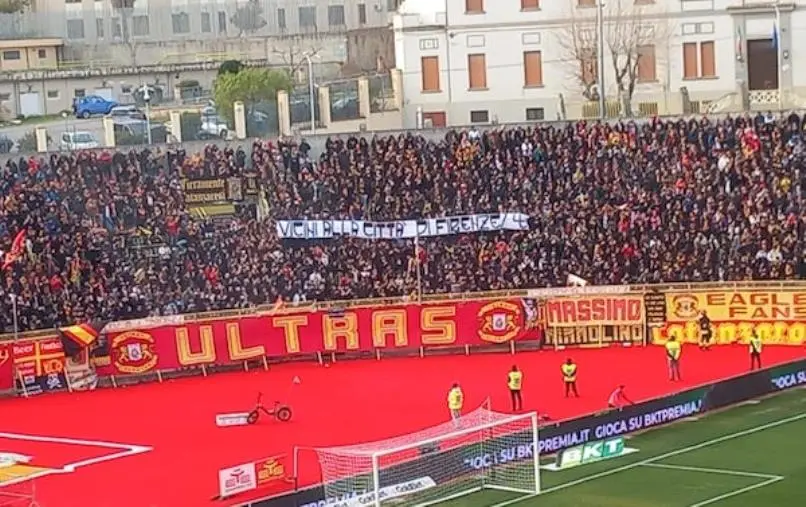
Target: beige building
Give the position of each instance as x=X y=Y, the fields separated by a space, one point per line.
x=27 y=54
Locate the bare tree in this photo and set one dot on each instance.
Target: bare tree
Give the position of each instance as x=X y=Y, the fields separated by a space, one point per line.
x=631 y=35
x=291 y=52
x=579 y=49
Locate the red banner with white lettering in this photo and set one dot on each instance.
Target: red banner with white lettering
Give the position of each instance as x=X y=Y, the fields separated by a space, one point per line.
x=6 y=367
x=226 y=341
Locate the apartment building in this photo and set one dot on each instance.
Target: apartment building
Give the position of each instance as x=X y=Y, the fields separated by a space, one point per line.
x=138 y=32
x=486 y=61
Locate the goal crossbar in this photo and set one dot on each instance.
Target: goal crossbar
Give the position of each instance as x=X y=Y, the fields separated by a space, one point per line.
x=352 y=450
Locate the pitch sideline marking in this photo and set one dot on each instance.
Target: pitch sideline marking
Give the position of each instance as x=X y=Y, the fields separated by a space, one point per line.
x=125 y=451
x=660 y=457
x=719 y=471
x=738 y=492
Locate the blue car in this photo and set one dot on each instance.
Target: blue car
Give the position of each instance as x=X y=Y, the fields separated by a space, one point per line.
x=84 y=107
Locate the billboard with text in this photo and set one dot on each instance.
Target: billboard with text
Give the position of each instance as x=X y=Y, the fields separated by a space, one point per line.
x=235 y=340
x=777 y=316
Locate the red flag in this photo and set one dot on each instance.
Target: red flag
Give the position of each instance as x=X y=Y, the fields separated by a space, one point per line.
x=17 y=249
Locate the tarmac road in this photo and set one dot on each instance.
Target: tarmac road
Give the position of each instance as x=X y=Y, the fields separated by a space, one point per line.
x=55 y=128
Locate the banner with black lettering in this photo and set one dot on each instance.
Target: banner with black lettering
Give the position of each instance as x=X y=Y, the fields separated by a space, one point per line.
x=402 y=229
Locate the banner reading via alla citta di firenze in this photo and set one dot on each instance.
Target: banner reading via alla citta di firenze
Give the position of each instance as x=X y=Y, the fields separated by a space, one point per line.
x=402 y=229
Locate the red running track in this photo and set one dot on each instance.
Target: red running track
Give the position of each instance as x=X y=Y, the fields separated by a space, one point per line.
x=349 y=402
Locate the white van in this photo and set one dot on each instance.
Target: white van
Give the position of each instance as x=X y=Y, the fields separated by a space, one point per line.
x=78 y=140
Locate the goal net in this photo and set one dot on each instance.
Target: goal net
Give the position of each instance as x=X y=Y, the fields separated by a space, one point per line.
x=484 y=449
x=16 y=490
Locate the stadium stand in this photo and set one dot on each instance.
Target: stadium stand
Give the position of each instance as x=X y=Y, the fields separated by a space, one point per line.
x=684 y=200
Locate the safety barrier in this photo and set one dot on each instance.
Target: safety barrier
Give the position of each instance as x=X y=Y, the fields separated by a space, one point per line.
x=152 y=348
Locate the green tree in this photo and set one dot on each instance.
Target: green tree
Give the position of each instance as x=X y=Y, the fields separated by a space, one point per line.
x=250 y=86
x=230 y=67
x=12 y=6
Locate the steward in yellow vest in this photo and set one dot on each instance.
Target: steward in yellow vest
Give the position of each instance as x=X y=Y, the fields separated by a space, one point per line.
x=569 y=370
x=514 y=383
x=755 y=352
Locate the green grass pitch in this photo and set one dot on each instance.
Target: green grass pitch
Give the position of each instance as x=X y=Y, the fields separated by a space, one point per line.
x=753 y=455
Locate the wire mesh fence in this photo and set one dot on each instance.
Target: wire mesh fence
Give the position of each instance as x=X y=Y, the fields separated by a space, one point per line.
x=381 y=93
x=344 y=100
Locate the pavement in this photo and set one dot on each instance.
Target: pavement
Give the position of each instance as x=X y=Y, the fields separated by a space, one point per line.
x=55 y=128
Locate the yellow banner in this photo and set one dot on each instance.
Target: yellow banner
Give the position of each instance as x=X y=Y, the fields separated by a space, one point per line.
x=778 y=317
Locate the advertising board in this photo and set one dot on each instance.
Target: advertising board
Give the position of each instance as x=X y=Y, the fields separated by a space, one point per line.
x=251 y=476
x=777 y=316
x=232 y=341
x=39 y=365
x=561 y=436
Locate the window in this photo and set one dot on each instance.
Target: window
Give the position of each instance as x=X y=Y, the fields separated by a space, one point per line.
x=646 y=64
x=429 y=66
x=13 y=54
x=42 y=53
x=5 y=97
x=281 y=18
x=530 y=5
x=99 y=28
x=698 y=60
x=72 y=1
x=117 y=28
x=587 y=3
x=180 y=22
x=479 y=117
x=79 y=92
x=53 y=94
x=532 y=68
x=125 y=88
x=474 y=6
x=307 y=17
x=222 y=21
x=335 y=15
x=362 y=14
x=590 y=71
x=75 y=28
x=477 y=72
x=535 y=114
x=206 y=24
x=392 y=5
x=140 y=26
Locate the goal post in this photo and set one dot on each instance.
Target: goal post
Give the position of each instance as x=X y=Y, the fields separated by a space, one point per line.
x=482 y=450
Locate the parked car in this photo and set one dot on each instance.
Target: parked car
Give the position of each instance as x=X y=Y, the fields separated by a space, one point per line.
x=129 y=131
x=90 y=105
x=6 y=144
x=77 y=140
x=212 y=124
x=127 y=112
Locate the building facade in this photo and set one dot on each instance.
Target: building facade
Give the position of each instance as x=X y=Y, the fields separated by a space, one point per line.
x=62 y=49
x=486 y=61
x=145 y=32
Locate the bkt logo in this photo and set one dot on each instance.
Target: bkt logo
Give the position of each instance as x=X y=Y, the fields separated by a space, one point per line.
x=790 y=380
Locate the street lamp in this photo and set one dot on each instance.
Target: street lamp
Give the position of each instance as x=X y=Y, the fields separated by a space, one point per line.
x=307 y=57
x=146 y=90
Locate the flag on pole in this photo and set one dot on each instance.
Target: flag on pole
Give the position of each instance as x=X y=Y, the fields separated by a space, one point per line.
x=17 y=249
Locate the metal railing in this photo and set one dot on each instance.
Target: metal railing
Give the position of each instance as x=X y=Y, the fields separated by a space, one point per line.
x=313 y=306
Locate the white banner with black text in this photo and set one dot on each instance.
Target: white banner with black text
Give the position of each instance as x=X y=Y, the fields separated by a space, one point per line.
x=402 y=229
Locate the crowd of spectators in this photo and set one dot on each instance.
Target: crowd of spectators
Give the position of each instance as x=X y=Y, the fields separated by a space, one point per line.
x=110 y=236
